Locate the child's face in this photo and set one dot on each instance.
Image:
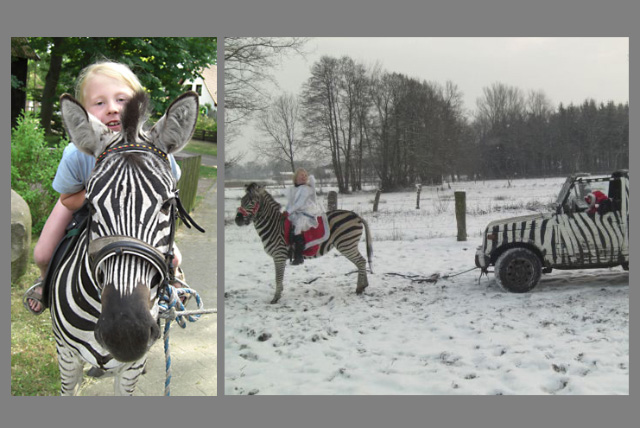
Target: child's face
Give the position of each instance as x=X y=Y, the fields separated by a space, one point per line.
x=104 y=98
x=302 y=177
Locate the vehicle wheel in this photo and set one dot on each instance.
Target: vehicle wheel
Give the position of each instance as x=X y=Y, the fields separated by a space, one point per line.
x=518 y=270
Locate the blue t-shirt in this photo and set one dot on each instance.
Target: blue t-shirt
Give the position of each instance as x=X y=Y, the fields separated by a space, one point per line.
x=75 y=169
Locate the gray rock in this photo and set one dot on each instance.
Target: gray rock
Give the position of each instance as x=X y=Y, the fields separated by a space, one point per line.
x=20 y=236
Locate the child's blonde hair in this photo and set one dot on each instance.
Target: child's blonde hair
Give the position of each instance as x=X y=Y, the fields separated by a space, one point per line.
x=112 y=69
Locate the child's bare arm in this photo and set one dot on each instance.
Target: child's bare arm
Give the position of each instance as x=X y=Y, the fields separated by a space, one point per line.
x=73 y=201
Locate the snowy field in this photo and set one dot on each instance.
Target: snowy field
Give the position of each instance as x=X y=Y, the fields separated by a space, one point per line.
x=459 y=335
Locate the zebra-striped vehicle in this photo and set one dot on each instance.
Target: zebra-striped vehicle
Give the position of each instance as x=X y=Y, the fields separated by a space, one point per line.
x=574 y=237
x=345 y=227
x=103 y=296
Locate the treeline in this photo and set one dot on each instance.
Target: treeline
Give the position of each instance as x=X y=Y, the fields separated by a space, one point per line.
x=403 y=130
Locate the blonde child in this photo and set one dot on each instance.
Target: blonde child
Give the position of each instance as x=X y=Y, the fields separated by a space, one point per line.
x=303 y=209
x=103 y=89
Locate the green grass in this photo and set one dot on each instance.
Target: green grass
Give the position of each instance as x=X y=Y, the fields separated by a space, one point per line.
x=202 y=148
x=34 y=362
x=208 y=172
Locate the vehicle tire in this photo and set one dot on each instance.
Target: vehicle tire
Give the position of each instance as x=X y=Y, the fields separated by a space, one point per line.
x=518 y=270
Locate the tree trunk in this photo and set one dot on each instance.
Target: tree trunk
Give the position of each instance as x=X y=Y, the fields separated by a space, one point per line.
x=51 y=83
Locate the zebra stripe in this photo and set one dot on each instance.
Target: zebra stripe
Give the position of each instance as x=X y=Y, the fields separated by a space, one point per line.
x=565 y=240
x=346 y=229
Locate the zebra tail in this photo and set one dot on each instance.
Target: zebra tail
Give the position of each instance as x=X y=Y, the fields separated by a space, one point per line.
x=369 y=244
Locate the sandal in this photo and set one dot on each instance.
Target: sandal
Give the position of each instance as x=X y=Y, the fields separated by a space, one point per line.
x=34 y=293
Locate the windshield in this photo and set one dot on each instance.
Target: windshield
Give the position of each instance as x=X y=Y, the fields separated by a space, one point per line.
x=565 y=189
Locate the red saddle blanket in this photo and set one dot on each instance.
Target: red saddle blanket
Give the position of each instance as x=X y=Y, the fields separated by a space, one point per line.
x=312 y=237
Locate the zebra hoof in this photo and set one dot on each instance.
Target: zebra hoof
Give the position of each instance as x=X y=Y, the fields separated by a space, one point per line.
x=275 y=300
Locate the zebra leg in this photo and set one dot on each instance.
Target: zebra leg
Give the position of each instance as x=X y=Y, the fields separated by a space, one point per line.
x=280 y=265
x=71 y=367
x=361 y=263
x=363 y=282
x=127 y=377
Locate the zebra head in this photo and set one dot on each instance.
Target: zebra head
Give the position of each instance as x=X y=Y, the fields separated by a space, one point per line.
x=131 y=195
x=249 y=204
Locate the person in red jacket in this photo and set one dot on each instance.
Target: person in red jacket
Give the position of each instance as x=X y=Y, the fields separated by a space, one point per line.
x=595 y=198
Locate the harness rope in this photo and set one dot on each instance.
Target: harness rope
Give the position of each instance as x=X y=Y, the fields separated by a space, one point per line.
x=169 y=301
x=432 y=278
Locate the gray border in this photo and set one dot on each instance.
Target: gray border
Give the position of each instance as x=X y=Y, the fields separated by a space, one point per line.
x=220 y=239
x=331 y=17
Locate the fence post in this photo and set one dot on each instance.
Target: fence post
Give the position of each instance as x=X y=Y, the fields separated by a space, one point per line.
x=376 y=200
x=461 y=212
x=419 y=189
x=332 y=200
x=188 y=183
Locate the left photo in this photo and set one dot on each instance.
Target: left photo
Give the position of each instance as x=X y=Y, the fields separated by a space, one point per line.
x=113 y=216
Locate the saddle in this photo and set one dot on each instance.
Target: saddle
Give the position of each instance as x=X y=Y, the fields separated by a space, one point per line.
x=74 y=229
x=312 y=237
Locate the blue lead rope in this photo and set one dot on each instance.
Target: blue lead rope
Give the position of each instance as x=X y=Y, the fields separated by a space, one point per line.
x=171 y=308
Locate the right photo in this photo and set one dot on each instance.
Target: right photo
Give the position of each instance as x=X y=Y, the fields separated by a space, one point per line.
x=426 y=216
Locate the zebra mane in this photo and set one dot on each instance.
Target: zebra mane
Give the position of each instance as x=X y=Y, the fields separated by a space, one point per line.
x=269 y=198
x=134 y=115
x=261 y=192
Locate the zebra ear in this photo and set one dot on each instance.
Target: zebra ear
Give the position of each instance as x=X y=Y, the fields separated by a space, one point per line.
x=252 y=188
x=84 y=129
x=174 y=130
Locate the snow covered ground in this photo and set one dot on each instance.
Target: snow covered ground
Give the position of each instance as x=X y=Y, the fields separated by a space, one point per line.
x=570 y=335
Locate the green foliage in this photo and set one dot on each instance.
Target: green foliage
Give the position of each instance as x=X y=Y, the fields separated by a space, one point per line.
x=33 y=167
x=15 y=83
x=161 y=63
x=206 y=123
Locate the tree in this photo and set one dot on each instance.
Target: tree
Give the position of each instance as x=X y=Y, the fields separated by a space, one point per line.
x=248 y=65
x=500 y=114
x=161 y=63
x=280 y=125
x=248 y=71
x=336 y=102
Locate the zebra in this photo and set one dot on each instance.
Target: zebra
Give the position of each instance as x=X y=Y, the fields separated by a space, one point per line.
x=104 y=296
x=346 y=227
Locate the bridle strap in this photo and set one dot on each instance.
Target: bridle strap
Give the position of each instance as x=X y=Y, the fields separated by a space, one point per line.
x=254 y=210
x=184 y=215
x=133 y=147
x=101 y=249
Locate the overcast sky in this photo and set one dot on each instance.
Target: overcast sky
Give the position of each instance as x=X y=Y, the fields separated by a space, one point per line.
x=567 y=70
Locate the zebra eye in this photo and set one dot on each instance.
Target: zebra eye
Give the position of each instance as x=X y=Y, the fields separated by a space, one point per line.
x=166 y=208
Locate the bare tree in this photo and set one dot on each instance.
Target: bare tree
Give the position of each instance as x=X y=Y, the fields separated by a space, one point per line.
x=248 y=66
x=500 y=115
x=280 y=125
x=337 y=101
